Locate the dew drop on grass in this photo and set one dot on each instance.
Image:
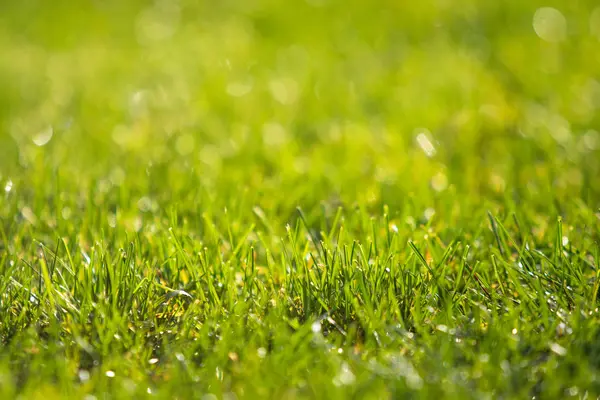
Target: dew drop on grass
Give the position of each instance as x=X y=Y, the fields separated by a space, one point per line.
x=558 y=349
x=28 y=214
x=66 y=213
x=137 y=224
x=43 y=137
x=86 y=257
x=112 y=220
x=316 y=327
x=423 y=137
x=178 y=292
x=84 y=375
x=110 y=374
x=562 y=329
x=285 y=91
x=429 y=213
x=8 y=186
x=153 y=361
x=262 y=352
x=550 y=24
x=274 y=135
x=144 y=204
x=439 y=182
x=345 y=376
x=591 y=140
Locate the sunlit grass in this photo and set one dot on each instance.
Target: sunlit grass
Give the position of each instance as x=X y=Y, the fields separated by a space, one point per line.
x=319 y=199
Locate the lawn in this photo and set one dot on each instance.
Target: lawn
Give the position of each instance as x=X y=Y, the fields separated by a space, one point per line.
x=299 y=199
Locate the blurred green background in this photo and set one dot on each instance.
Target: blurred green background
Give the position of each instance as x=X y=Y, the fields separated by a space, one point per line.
x=330 y=101
x=126 y=126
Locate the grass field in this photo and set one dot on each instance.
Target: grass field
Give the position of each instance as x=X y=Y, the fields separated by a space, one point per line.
x=305 y=199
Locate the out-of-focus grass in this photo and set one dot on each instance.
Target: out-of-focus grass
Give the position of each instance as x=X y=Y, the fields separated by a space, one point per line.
x=299 y=199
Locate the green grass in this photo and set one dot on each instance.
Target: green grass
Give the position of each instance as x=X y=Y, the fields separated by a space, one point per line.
x=321 y=199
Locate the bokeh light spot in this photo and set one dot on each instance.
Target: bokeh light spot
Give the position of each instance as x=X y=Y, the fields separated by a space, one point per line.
x=550 y=24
